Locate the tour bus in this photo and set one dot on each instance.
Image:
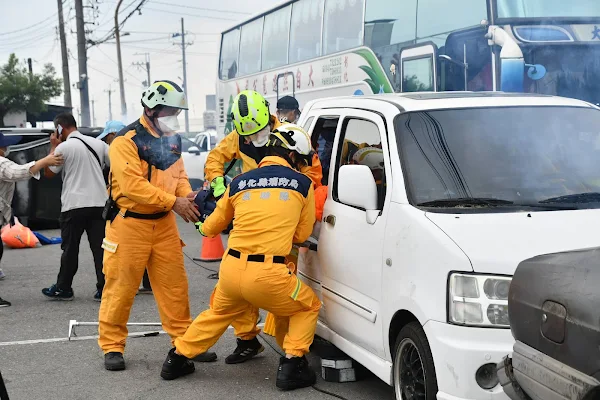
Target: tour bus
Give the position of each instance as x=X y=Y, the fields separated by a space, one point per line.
x=319 y=48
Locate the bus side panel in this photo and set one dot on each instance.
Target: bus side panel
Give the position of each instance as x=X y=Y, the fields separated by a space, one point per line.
x=355 y=72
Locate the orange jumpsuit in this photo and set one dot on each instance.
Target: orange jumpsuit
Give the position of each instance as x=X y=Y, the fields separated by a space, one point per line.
x=132 y=243
x=273 y=206
x=233 y=146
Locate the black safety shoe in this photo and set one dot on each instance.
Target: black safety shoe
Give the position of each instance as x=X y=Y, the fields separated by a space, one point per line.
x=4 y=303
x=114 y=361
x=58 y=294
x=245 y=350
x=295 y=373
x=98 y=296
x=176 y=366
x=207 y=356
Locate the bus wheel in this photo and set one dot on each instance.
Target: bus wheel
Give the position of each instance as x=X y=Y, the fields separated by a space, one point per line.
x=414 y=371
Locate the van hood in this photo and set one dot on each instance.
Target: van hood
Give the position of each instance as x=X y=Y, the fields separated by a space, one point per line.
x=496 y=243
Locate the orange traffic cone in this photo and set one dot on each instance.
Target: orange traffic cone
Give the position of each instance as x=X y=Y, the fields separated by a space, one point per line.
x=212 y=249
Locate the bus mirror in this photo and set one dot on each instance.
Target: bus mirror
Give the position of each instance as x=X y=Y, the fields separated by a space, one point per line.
x=536 y=71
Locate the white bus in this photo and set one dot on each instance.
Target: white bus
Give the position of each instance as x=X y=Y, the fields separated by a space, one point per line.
x=319 y=48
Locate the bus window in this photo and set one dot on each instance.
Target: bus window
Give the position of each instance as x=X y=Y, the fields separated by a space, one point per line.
x=387 y=31
x=305 y=34
x=437 y=19
x=229 y=54
x=479 y=60
x=417 y=75
x=250 y=47
x=343 y=26
x=275 y=39
x=548 y=8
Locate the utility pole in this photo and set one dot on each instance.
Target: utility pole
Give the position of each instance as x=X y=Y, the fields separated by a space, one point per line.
x=183 y=44
x=187 y=120
x=93 y=114
x=120 y=63
x=82 y=58
x=65 y=56
x=145 y=66
x=30 y=68
x=109 y=91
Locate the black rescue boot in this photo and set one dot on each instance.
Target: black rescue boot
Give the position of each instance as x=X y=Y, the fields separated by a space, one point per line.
x=295 y=373
x=176 y=366
x=245 y=350
x=114 y=361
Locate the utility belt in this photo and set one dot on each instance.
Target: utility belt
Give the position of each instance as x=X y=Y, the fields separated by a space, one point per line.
x=256 y=257
x=111 y=210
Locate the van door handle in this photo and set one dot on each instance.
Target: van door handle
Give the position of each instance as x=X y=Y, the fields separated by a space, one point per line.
x=330 y=219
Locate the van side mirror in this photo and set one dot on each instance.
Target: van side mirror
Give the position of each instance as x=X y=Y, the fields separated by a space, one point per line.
x=357 y=187
x=194 y=150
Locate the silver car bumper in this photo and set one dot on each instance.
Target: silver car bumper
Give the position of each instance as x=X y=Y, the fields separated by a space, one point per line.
x=531 y=374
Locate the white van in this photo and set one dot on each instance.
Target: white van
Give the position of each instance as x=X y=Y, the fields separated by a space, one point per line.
x=415 y=251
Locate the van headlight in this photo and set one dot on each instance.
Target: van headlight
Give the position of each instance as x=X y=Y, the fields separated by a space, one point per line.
x=478 y=300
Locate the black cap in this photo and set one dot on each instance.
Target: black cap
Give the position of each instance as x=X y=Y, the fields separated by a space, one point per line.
x=287 y=103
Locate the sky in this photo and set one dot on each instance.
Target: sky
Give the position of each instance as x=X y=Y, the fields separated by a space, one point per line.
x=151 y=32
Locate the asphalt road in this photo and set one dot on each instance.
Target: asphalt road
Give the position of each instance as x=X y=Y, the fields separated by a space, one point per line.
x=74 y=370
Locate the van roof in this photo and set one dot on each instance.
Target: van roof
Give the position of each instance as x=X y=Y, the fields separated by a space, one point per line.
x=445 y=100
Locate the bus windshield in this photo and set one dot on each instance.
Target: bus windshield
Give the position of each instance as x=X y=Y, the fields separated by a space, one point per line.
x=548 y=9
x=511 y=155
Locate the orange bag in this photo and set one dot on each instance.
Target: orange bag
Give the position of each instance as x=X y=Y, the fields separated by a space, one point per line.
x=19 y=236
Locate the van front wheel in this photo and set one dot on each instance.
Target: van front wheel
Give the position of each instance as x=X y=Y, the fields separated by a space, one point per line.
x=414 y=371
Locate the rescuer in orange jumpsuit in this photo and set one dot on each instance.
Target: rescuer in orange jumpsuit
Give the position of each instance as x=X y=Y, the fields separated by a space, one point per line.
x=147 y=182
x=253 y=123
x=273 y=207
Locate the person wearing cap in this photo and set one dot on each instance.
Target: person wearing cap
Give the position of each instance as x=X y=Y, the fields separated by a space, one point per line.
x=110 y=131
x=148 y=181
x=11 y=172
x=288 y=109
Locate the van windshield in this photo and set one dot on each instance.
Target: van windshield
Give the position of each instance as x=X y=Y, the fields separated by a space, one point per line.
x=544 y=158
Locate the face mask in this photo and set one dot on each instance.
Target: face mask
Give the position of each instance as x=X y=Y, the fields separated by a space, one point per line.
x=261 y=138
x=168 y=124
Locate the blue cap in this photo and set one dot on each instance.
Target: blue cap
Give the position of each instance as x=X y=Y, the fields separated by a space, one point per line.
x=111 y=127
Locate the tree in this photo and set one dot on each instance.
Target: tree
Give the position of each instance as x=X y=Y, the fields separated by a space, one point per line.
x=20 y=91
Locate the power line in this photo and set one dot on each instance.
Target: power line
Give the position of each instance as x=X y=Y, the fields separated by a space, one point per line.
x=117 y=64
x=36 y=25
x=111 y=33
x=149 y=49
x=112 y=77
x=190 y=15
x=199 y=8
x=164 y=33
x=39 y=35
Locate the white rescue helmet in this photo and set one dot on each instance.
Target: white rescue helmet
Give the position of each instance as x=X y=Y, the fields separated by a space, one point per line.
x=291 y=137
x=372 y=157
x=164 y=93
